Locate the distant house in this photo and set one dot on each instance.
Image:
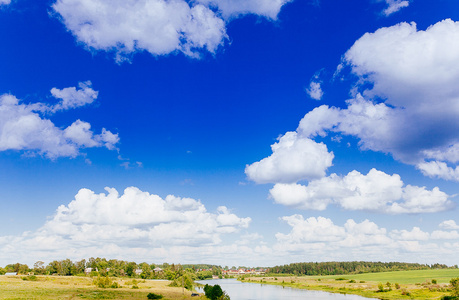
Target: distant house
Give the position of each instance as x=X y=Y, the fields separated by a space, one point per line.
x=138 y=271
x=157 y=270
x=87 y=271
x=11 y=273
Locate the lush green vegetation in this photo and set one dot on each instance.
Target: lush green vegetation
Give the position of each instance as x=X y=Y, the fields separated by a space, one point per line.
x=215 y=292
x=402 y=277
x=178 y=274
x=353 y=267
x=416 y=284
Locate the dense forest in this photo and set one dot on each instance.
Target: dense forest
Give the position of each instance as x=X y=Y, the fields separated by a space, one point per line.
x=352 y=267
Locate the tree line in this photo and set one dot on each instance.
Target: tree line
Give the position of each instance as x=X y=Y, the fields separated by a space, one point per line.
x=115 y=268
x=352 y=267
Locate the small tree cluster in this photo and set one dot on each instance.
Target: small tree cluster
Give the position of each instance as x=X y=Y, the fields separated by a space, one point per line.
x=215 y=292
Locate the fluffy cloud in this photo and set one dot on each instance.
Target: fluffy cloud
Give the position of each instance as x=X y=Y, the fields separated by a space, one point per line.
x=311 y=230
x=72 y=98
x=320 y=239
x=449 y=225
x=159 y=27
x=376 y=191
x=395 y=6
x=294 y=158
x=439 y=169
x=5 y=2
x=23 y=128
x=120 y=224
x=416 y=234
x=416 y=72
x=315 y=91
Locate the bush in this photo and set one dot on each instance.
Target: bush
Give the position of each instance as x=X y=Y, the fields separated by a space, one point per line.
x=154 y=296
x=397 y=286
x=434 y=281
x=30 y=278
x=455 y=287
x=405 y=293
x=102 y=282
x=215 y=292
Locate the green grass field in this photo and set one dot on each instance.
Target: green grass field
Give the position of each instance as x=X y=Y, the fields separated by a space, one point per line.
x=73 y=287
x=403 y=277
x=410 y=284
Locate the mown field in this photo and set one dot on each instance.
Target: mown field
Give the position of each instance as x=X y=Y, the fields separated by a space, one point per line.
x=419 y=284
x=72 y=287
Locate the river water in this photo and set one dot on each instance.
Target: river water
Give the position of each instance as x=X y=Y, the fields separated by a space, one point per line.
x=255 y=291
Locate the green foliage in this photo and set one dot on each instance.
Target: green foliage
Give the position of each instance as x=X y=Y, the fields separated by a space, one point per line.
x=434 y=281
x=154 y=296
x=454 y=287
x=215 y=292
x=185 y=281
x=352 y=281
x=105 y=282
x=353 y=267
x=30 y=278
x=380 y=287
x=204 y=275
x=397 y=286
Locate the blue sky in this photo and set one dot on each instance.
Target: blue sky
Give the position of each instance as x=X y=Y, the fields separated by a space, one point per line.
x=254 y=132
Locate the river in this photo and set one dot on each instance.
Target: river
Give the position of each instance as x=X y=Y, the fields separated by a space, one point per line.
x=255 y=291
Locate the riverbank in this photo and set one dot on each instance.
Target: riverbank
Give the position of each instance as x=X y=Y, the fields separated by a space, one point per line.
x=75 y=287
x=422 y=284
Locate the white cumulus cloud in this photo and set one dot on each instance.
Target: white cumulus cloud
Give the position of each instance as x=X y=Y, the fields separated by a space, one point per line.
x=293 y=159
x=130 y=224
x=439 y=169
x=315 y=91
x=24 y=128
x=449 y=225
x=320 y=239
x=411 y=108
x=159 y=27
x=395 y=6
x=416 y=72
x=376 y=191
x=72 y=98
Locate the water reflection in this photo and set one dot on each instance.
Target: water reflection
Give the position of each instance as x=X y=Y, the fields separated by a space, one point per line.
x=254 y=291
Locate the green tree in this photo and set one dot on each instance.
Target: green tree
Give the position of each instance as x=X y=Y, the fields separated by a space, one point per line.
x=454 y=287
x=39 y=268
x=215 y=292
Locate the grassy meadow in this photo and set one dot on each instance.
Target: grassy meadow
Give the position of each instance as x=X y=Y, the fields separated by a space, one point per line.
x=419 y=284
x=75 y=287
